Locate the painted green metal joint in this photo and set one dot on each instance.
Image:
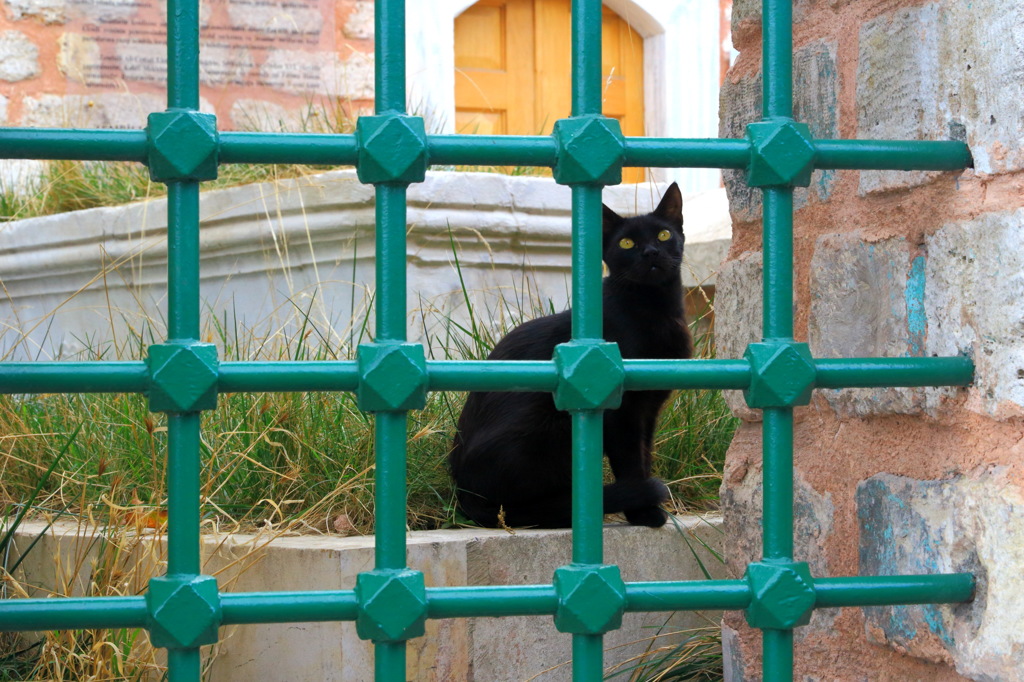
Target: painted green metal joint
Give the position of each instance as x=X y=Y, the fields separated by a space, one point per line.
x=183 y=377
x=781 y=374
x=782 y=594
x=590 y=150
x=183 y=145
x=184 y=611
x=392 y=377
x=392 y=605
x=590 y=375
x=392 y=148
x=591 y=599
x=781 y=153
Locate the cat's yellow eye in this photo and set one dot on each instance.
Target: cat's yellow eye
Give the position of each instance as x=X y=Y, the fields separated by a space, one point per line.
x=664 y=236
x=626 y=243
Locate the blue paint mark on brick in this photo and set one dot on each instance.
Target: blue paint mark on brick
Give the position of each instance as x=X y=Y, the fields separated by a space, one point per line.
x=917 y=323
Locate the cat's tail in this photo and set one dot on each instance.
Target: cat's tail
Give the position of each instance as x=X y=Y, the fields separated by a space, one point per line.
x=639 y=499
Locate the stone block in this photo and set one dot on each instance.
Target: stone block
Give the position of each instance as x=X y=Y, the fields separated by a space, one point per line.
x=813 y=519
x=899 y=81
x=304 y=73
x=276 y=16
x=359 y=24
x=972 y=524
x=738 y=312
x=19 y=57
x=106 y=110
x=980 y=59
x=50 y=11
x=815 y=102
x=79 y=58
x=974 y=287
x=867 y=300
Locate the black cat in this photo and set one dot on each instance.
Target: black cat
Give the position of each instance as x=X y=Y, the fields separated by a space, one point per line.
x=512 y=453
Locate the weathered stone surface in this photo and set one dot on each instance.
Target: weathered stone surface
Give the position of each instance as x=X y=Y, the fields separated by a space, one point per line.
x=225 y=66
x=813 y=518
x=815 y=103
x=50 y=11
x=107 y=110
x=981 y=62
x=738 y=312
x=975 y=285
x=302 y=73
x=359 y=24
x=143 y=62
x=19 y=57
x=867 y=300
x=972 y=524
x=277 y=16
x=898 y=85
x=78 y=58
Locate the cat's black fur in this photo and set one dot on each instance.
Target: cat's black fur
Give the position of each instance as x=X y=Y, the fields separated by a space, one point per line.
x=513 y=451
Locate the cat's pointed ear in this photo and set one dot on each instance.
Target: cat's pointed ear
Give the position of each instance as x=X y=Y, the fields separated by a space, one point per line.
x=610 y=220
x=671 y=206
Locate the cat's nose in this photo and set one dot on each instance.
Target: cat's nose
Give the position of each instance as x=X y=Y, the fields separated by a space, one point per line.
x=650 y=251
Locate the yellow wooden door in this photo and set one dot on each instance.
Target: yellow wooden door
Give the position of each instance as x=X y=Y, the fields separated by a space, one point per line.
x=512 y=64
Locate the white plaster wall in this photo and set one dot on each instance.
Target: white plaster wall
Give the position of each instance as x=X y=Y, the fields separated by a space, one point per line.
x=681 y=62
x=277 y=256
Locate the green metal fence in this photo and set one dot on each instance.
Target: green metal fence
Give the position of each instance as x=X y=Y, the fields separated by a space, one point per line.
x=182 y=147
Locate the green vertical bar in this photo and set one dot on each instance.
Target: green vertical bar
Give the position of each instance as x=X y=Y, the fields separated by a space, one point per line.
x=777 y=659
x=389 y=491
x=183 y=260
x=587 y=301
x=183 y=494
x=390 y=262
x=778 y=263
x=389 y=661
x=586 y=57
x=183 y=54
x=390 y=446
x=183 y=665
x=587 y=437
x=183 y=322
x=777 y=55
x=587 y=509
x=389 y=54
x=777 y=433
x=778 y=483
x=587 y=658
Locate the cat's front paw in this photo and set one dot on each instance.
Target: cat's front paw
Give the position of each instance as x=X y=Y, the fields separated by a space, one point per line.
x=652 y=517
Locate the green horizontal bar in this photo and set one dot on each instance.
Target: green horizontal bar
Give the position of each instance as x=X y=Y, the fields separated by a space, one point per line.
x=288 y=376
x=72 y=613
x=479 y=375
x=493 y=600
x=292 y=148
x=661 y=152
x=892 y=155
x=472 y=602
x=73 y=377
x=69 y=143
x=476 y=150
x=648 y=375
x=288 y=607
x=688 y=596
x=875 y=372
x=492 y=375
x=949 y=588
x=492 y=150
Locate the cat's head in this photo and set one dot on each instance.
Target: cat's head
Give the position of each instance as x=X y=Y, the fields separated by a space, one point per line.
x=646 y=249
